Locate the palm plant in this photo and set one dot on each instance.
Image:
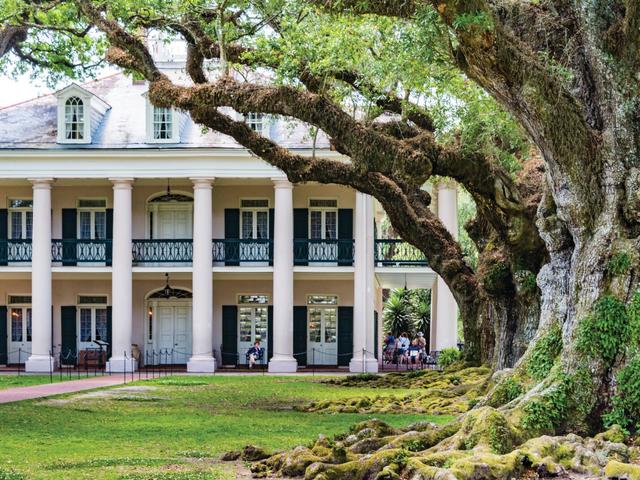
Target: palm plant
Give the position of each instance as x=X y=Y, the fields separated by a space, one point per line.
x=421 y=312
x=397 y=312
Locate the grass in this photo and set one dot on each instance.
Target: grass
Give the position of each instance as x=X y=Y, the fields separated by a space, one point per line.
x=173 y=432
x=11 y=380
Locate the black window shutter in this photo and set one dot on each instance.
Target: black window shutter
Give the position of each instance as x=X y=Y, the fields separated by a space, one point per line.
x=3 y=336
x=231 y=232
x=345 y=335
x=272 y=220
x=300 y=334
x=269 y=333
x=229 y=334
x=69 y=347
x=109 y=246
x=4 y=235
x=69 y=232
x=109 y=331
x=345 y=232
x=375 y=333
x=300 y=232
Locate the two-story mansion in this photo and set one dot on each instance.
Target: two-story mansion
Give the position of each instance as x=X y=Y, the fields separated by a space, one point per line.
x=127 y=224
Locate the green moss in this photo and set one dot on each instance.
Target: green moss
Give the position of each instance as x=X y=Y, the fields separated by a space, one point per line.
x=626 y=402
x=602 y=333
x=547 y=412
x=497 y=277
x=545 y=352
x=620 y=263
x=507 y=390
x=616 y=469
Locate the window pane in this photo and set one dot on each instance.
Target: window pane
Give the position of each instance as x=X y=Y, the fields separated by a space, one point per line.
x=322 y=300
x=29 y=225
x=74 y=119
x=331 y=225
x=261 y=325
x=262 y=224
x=245 y=324
x=20 y=203
x=92 y=203
x=85 y=324
x=101 y=225
x=253 y=299
x=85 y=226
x=29 y=323
x=316 y=224
x=16 y=324
x=101 y=324
x=162 y=123
x=315 y=319
x=16 y=225
x=247 y=224
x=330 y=325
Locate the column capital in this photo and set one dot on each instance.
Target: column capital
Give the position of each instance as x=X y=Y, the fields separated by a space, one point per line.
x=281 y=183
x=121 y=182
x=44 y=183
x=202 y=182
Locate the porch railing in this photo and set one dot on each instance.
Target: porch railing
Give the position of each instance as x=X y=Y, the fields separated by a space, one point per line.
x=236 y=250
x=15 y=251
x=338 y=251
x=395 y=252
x=72 y=251
x=162 y=251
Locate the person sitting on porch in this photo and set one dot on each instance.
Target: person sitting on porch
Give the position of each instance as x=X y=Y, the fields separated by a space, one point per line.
x=414 y=351
x=403 y=346
x=254 y=354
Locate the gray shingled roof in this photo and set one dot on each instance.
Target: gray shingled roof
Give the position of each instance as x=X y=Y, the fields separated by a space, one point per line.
x=33 y=124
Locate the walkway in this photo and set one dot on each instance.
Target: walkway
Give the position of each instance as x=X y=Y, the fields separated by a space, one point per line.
x=48 y=389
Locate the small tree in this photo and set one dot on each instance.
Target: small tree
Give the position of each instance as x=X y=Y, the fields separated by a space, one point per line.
x=421 y=312
x=397 y=312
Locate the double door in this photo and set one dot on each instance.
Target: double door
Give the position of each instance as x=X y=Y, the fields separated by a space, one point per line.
x=19 y=333
x=322 y=336
x=173 y=341
x=253 y=325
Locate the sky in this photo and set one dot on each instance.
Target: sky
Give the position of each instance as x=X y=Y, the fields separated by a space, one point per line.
x=16 y=91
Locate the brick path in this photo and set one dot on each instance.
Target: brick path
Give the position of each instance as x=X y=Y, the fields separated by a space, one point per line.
x=16 y=394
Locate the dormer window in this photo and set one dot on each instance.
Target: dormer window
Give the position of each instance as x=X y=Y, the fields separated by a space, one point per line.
x=256 y=122
x=79 y=114
x=162 y=124
x=74 y=119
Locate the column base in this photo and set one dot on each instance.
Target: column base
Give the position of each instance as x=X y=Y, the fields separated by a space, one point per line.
x=40 y=364
x=368 y=365
x=121 y=364
x=283 y=365
x=201 y=365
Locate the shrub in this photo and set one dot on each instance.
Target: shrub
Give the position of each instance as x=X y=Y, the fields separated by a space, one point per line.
x=545 y=352
x=620 y=263
x=605 y=331
x=448 y=356
x=626 y=402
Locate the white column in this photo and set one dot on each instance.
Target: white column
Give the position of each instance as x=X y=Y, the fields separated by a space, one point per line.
x=363 y=359
x=446 y=328
x=283 y=360
x=41 y=356
x=202 y=360
x=122 y=279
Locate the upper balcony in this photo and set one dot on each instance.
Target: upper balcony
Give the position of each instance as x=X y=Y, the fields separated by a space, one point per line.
x=228 y=252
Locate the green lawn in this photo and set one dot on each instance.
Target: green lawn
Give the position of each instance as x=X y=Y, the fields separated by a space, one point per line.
x=173 y=432
x=11 y=380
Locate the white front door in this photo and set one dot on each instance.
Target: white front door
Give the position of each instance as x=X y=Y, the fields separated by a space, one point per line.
x=322 y=338
x=174 y=222
x=92 y=322
x=173 y=341
x=19 y=329
x=253 y=325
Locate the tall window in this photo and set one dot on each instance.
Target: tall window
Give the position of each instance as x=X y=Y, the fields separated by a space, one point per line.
x=323 y=219
x=255 y=121
x=93 y=318
x=20 y=219
x=162 y=123
x=74 y=119
x=255 y=218
x=92 y=219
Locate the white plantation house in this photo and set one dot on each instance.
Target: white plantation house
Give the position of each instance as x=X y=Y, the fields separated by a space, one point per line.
x=127 y=224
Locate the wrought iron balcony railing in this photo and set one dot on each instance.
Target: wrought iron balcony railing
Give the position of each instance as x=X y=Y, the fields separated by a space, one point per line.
x=233 y=251
x=338 y=251
x=15 y=251
x=395 y=252
x=162 y=251
x=73 y=251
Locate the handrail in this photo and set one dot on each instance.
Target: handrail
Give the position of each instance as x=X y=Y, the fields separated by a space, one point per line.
x=162 y=250
x=339 y=250
x=235 y=250
x=397 y=252
x=15 y=251
x=75 y=250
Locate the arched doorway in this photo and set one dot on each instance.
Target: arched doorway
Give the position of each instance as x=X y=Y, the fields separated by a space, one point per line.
x=168 y=326
x=170 y=216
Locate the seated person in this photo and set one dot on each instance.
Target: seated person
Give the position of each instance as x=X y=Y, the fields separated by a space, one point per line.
x=421 y=340
x=414 y=351
x=403 y=344
x=254 y=354
x=389 y=341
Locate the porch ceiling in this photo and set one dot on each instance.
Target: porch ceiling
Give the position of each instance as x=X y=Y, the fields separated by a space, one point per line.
x=398 y=277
